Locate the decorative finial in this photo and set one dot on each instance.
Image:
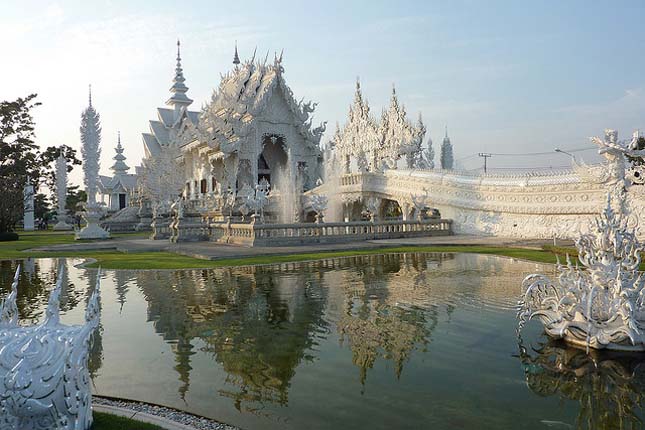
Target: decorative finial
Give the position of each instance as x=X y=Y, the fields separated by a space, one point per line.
x=236 y=57
x=358 y=83
x=178 y=88
x=393 y=89
x=118 y=138
x=281 y=53
x=90 y=98
x=446 y=132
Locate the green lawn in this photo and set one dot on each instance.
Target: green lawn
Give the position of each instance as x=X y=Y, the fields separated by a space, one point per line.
x=166 y=260
x=110 y=422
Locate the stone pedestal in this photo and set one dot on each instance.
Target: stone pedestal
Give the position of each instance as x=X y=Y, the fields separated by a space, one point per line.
x=92 y=229
x=144 y=224
x=160 y=227
x=61 y=225
x=188 y=228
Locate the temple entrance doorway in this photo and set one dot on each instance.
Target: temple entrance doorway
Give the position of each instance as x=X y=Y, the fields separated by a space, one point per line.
x=273 y=160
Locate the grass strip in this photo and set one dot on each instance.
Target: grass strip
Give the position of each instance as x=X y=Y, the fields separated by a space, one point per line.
x=103 y=421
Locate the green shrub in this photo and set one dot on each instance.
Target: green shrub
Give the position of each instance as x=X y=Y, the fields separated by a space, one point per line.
x=8 y=236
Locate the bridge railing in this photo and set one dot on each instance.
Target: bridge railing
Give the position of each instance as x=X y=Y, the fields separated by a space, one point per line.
x=309 y=233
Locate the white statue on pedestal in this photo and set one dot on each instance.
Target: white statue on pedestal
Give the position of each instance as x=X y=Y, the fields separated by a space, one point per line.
x=61 y=192
x=45 y=377
x=28 y=220
x=91 y=152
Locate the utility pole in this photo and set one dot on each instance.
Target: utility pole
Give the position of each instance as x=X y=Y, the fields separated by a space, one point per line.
x=485 y=156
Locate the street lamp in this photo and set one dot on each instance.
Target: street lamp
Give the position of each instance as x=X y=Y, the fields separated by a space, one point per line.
x=573 y=157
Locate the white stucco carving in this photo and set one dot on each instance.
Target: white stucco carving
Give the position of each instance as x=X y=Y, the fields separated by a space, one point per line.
x=364 y=144
x=602 y=306
x=91 y=153
x=46 y=382
x=61 y=193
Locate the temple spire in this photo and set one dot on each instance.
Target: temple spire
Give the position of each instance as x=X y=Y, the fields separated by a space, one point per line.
x=236 y=57
x=119 y=167
x=90 y=96
x=178 y=88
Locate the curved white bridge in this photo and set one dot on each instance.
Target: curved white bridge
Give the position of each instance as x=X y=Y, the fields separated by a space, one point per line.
x=527 y=205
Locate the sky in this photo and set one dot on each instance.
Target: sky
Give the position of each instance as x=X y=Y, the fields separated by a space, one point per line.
x=505 y=77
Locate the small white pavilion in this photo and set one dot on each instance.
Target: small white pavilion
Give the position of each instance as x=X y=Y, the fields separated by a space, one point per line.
x=118 y=188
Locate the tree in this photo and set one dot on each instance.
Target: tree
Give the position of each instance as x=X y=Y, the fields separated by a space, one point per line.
x=42 y=208
x=447 y=160
x=19 y=158
x=74 y=199
x=49 y=156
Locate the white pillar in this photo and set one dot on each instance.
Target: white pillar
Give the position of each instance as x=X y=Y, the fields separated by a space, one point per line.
x=28 y=220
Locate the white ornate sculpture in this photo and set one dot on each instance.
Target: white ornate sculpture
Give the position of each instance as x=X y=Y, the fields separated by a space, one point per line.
x=91 y=153
x=61 y=192
x=614 y=173
x=420 y=202
x=376 y=145
x=160 y=182
x=28 y=195
x=45 y=377
x=602 y=306
x=318 y=204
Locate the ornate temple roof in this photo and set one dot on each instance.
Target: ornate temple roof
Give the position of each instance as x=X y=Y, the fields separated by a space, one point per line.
x=119 y=183
x=169 y=120
x=242 y=96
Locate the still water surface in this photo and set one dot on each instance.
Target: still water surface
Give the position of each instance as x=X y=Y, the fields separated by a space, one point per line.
x=406 y=341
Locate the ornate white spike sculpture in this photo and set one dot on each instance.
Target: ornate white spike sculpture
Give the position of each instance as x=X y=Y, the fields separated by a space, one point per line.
x=61 y=192
x=91 y=152
x=601 y=306
x=45 y=382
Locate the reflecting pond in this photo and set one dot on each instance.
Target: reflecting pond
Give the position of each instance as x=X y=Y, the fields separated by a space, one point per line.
x=416 y=340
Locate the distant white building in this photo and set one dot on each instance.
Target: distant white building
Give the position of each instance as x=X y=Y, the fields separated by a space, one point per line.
x=116 y=190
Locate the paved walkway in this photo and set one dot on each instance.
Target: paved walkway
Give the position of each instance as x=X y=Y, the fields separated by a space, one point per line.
x=215 y=251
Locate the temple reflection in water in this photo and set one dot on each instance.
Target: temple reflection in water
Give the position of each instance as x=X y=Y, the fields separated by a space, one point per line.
x=361 y=342
x=260 y=322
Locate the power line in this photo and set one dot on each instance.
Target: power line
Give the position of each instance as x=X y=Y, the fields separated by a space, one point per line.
x=532 y=154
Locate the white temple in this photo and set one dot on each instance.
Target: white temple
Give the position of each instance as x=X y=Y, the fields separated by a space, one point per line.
x=252 y=128
x=378 y=178
x=117 y=189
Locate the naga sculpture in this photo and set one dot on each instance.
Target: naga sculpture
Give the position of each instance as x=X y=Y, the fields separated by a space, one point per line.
x=602 y=305
x=45 y=382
